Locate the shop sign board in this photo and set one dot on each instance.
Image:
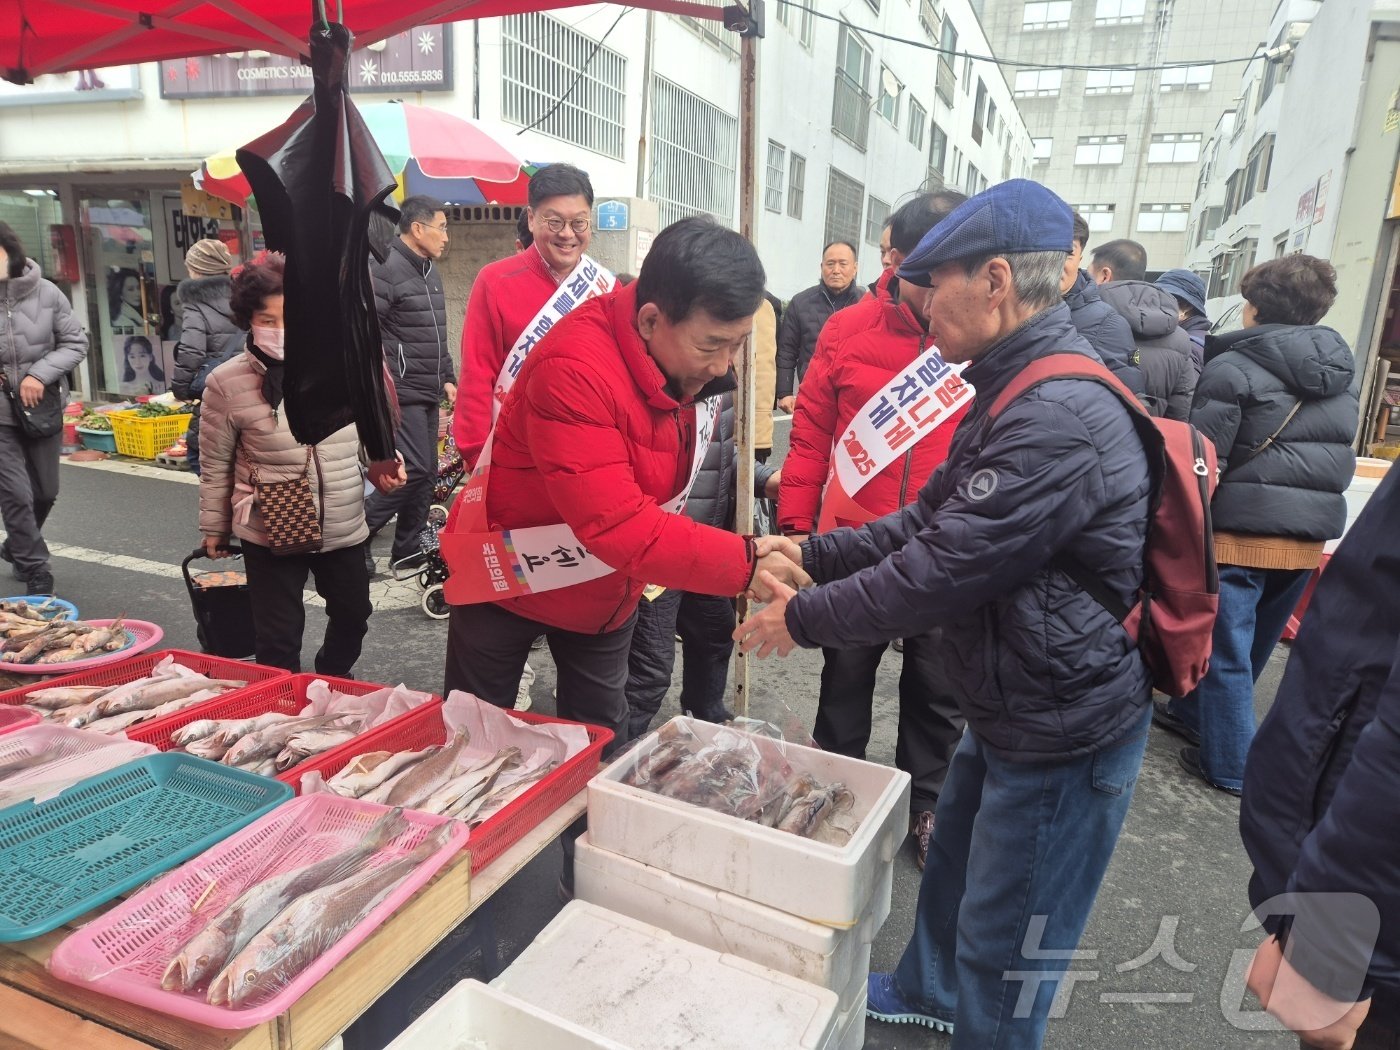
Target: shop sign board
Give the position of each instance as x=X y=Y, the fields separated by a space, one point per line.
x=110 y=84
x=418 y=59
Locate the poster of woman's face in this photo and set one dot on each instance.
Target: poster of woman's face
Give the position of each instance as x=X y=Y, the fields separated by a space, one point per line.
x=141 y=368
x=127 y=300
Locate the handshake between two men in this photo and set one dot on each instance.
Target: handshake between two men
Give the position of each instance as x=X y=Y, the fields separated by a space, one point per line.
x=777 y=576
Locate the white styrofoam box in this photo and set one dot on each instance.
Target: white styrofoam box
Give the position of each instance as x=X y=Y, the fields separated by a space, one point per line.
x=1368 y=477
x=838 y=959
x=473 y=1015
x=850 y=1028
x=649 y=989
x=818 y=881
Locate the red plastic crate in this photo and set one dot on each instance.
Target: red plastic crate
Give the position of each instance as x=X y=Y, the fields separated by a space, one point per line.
x=424 y=726
x=12 y=718
x=140 y=666
x=280 y=694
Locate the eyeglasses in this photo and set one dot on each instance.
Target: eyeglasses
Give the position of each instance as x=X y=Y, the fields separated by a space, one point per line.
x=440 y=229
x=579 y=226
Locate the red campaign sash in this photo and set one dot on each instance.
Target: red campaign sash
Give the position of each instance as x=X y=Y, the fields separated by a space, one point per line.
x=904 y=411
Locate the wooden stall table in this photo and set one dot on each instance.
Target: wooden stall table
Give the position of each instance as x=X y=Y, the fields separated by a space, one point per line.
x=40 y=1012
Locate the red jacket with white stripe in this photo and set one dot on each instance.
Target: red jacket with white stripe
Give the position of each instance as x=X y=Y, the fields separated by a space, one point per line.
x=859 y=352
x=590 y=436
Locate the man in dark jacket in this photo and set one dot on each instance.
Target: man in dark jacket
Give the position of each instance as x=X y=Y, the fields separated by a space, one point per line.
x=704 y=622
x=1320 y=807
x=206 y=322
x=1054 y=691
x=1277 y=400
x=413 y=323
x=1189 y=291
x=807 y=312
x=1164 y=350
x=1102 y=327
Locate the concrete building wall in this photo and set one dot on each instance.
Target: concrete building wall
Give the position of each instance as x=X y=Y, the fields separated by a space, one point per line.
x=1171 y=31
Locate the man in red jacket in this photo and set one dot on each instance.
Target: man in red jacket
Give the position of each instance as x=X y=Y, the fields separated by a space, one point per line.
x=597 y=445
x=849 y=465
x=515 y=300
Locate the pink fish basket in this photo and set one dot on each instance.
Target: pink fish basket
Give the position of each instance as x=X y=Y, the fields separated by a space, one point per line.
x=12 y=718
x=124 y=952
x=423 y=727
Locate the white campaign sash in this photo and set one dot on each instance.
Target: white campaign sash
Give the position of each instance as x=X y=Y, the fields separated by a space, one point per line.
x=900 y=414
x=490 y=565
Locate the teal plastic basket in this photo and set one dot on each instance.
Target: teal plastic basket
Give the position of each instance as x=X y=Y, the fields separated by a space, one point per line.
x=111 y=833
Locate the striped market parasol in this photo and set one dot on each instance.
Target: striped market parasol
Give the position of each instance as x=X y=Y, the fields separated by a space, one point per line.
x=429 y=151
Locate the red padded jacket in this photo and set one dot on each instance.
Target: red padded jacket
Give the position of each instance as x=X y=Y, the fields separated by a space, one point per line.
x=859 y=351
x=589 y=436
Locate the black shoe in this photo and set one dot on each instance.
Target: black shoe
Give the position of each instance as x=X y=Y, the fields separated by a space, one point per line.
x=1168 y=721
x=1189 y=758
x=718 y=716
x=40 y=583
x=898 y=645
x=921 y=827
x=537 y=644
x=5 y=555
x=410 y=562
x=369 y=561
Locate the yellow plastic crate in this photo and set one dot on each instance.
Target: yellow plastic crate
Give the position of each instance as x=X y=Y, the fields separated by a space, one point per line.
x=146 y=437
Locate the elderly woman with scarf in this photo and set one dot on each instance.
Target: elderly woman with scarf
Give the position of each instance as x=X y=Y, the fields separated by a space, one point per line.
x=247 y=449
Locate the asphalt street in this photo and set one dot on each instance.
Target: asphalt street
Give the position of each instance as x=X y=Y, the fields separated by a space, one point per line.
x=1168 y=924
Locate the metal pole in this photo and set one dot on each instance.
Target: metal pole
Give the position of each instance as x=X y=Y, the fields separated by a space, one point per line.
x=744 y=397
x=647 y=52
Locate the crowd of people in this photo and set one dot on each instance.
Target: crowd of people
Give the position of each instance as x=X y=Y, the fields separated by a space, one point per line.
x=595 y=414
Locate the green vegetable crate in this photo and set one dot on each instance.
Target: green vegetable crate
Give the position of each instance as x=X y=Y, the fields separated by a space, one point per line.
x=145 y=437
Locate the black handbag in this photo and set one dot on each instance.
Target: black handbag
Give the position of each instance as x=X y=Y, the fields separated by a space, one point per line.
x=45 y=419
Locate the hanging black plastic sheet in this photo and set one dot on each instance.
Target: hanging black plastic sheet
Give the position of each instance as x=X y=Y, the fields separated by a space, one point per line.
x=321 y=187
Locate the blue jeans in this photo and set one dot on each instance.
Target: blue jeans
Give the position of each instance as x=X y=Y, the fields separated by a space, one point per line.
x=1255 y=605
x=1018 y=852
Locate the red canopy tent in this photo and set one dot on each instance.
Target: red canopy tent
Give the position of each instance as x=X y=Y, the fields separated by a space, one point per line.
x=58 y=36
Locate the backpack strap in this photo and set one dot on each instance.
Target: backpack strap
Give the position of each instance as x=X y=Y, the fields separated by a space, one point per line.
x=1076 y=366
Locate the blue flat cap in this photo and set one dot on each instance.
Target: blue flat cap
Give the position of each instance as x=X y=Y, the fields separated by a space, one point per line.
x=1014 y=216
x=1187 y=287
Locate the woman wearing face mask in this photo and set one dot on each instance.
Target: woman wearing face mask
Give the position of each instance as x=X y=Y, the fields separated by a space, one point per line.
x=245 y=443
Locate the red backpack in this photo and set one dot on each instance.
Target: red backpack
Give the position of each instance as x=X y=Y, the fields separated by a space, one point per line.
x=1173 y=618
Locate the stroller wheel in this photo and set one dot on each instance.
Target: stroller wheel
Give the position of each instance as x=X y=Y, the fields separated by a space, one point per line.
x=437 y=515
x=434 y=604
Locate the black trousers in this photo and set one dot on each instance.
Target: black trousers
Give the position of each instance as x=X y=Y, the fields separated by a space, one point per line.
x=416 y=440
x=28 y=489
x=705 y=623
x=930 y=724
x=275 y=585
x=486 y=651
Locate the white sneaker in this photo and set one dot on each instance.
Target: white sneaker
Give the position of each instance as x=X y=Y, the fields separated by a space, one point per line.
x=522 y=695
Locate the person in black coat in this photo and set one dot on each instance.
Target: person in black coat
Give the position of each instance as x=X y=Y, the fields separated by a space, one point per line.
x=1164 y=349
x=206 y=322
x=1278 y=400
x=809 y=309
x=413 y=325
x=1102 y=327
x=1054 y=691
x=1189 y=291
x=1320 y=805
x=704 y=622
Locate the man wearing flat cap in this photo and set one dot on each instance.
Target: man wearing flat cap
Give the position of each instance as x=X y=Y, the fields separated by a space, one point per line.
x=1054 y=691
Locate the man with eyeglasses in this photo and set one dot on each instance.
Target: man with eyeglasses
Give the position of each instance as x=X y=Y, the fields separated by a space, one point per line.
x=413 y=326
x=514 y=301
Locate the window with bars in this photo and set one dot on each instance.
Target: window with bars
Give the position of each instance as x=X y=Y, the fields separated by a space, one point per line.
x=918 y=120
x=1261 y=158
x=845 y=198
x=876 y=213
x=945 y=82
x=773 y=188
x=1100 y=149
x=712 y=31
x=695 y=147
x=1045 y=14
x=1175 y=148
x=1119 y=12
x=1098 y=216
x=850 y=107
x=888 y=104
x=1109 y=81
x=797 y=184
x=540 y=59
x=1187 y=78
x=1038 y=83
x=1040 y=150
x=1163 y=218
x=928 y=18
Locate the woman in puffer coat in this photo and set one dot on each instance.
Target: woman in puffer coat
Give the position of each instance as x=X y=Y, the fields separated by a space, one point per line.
x=40 y=343
x=1278 y=399
x=206 y=326
x=244 y=425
